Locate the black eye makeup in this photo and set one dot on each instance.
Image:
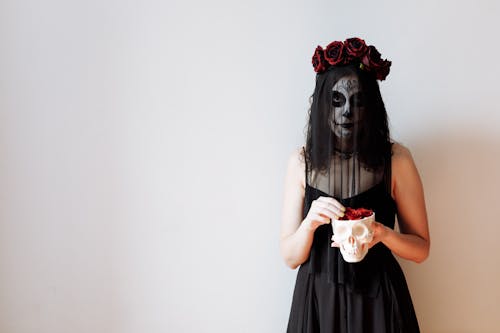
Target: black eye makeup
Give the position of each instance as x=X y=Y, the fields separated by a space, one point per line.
x=338 y=99
x=357 y=100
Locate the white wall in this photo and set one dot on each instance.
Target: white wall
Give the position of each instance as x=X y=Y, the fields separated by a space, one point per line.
x=143 y=146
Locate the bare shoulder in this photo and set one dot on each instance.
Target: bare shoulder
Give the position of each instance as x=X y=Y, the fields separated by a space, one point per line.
x=296 y=166
x=401 y=158
x=400 y=152
x=404 y=170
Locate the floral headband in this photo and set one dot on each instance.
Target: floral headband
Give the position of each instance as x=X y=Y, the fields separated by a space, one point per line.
x=352 y=50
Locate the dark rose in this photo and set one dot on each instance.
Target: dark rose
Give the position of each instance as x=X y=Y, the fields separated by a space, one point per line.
x=318 y=60
x=374 y=63
x=334 y=53
x=356 y=213
x=383 y=71
x=355 y=47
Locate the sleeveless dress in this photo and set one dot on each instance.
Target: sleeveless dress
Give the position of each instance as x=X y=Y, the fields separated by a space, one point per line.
x=334 y=296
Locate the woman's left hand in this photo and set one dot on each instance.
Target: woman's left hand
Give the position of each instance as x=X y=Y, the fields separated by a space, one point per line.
x=380 y=231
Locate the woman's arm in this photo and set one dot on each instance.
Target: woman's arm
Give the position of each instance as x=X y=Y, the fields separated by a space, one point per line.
x=413 y=240
x=297 y=234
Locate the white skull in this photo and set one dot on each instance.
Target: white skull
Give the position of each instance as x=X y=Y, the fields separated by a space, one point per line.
x=353 y=237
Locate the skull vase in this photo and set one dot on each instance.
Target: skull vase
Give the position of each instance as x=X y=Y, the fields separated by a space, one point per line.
x=353 y=237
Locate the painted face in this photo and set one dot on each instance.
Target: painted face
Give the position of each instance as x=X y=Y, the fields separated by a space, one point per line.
x=347 y=109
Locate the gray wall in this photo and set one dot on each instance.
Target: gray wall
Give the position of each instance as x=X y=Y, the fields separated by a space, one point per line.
x=143 y=146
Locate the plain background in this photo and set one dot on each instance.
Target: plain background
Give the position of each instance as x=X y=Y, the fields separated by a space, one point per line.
x=143 y=146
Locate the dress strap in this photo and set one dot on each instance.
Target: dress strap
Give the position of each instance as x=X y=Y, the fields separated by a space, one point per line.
x=306 y=187
x=388 y=171
x=305 y=163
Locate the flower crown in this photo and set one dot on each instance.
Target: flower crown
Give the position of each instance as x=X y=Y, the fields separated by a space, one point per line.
x=352 y=50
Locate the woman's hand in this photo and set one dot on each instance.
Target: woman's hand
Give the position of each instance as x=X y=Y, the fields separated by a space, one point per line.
x=380 y=232
x=322 y=211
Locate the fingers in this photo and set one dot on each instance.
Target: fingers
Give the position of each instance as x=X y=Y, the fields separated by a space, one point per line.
x=332 y=202
x=323 y=210
x=379 y=231
x=329 y=207
x=319 y=218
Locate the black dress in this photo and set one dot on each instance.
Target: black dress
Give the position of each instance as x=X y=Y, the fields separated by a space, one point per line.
x=332 y=295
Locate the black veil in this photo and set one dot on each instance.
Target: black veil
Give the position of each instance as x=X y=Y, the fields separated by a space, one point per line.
x=348 y=142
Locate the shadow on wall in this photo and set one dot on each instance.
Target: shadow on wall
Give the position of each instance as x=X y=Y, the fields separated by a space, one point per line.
x=456 y=289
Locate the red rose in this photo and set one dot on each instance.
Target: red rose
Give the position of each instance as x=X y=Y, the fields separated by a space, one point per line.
x=364 y=212
x=318 y=60
x=374 y=63
x=355 y=47
x=334 y=53
x=356 y=213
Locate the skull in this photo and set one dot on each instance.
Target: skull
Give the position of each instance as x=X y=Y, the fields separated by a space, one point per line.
x=353 y=237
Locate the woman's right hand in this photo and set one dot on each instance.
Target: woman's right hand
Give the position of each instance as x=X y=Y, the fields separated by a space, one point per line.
x=322 y=211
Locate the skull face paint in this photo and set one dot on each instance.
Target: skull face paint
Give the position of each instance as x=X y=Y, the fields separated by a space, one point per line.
x=347 y=110
x=353 y=237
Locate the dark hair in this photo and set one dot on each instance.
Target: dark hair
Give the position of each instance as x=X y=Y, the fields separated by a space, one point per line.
x=374 y=145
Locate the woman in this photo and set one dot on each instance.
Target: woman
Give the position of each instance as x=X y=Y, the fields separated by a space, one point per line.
x=350 y=161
